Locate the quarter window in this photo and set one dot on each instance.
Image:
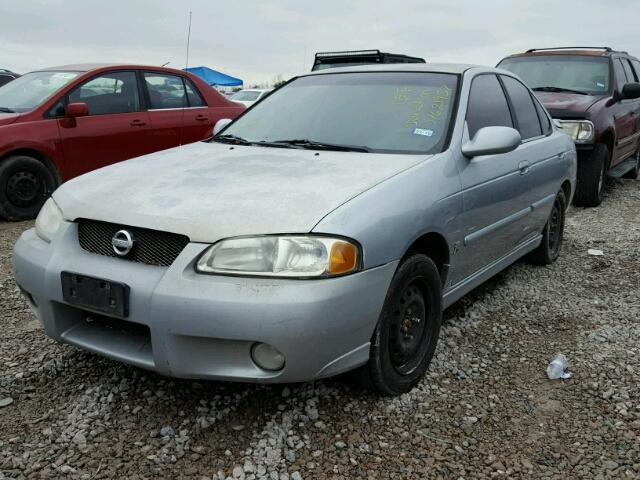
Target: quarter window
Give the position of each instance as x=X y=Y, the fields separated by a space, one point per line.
x=487 y=105
x=114 y=92
x=195 y=100
x=525 y=110
x=165 y=91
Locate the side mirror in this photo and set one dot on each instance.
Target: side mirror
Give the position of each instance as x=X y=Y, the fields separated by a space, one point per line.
x=630 y=91
x=75 y=110
x=492 y=141
x=220 y=124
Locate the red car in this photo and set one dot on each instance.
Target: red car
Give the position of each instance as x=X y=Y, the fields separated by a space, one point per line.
x=58 y=123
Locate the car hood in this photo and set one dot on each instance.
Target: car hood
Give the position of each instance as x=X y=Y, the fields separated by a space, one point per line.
x=8 y=118
x=567 y=105
x=210 y=191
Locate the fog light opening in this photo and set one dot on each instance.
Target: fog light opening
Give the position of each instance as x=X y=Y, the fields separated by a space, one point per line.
x=267 y=357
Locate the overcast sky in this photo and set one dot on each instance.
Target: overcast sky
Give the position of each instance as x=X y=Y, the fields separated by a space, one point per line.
x=257 y=40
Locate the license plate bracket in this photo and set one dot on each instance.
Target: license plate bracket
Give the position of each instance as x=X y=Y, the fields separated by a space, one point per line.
x=97 y=294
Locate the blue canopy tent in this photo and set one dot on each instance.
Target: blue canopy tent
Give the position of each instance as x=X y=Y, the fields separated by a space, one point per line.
x=214 y=78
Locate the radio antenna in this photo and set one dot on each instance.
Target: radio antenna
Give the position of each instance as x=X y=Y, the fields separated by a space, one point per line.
x=186 y=63
x=184 y=85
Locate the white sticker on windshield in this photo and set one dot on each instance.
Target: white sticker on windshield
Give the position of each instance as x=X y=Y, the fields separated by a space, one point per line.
x=423 y=132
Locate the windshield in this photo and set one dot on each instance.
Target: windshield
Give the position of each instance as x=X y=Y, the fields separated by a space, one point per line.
x=403 y=112
x=246 y=96
x=30 y=90
x=581 y=73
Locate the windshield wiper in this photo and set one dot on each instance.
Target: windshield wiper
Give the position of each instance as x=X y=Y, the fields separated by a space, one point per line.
x=234 y=139
x=558 y=89
x=313 y=145
x=6 y=110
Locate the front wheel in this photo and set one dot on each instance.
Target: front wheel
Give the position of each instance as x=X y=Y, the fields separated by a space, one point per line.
x=591 y=177
x=25 y=184
x=549 y=249
x=405 y=338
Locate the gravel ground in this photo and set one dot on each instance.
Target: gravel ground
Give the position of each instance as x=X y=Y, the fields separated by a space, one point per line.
x=485 y=410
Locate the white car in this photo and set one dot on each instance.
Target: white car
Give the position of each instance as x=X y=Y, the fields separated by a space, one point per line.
x=248 y=97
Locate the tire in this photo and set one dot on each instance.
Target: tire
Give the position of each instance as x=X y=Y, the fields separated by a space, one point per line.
x=405 y=338
x=25 y=184
x=633 y=173
x=591 y=177
x=549 y=249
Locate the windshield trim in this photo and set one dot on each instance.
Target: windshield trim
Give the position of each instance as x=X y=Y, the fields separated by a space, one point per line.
x=452 y=118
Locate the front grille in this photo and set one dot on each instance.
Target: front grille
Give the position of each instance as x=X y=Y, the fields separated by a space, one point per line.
x=151 y=246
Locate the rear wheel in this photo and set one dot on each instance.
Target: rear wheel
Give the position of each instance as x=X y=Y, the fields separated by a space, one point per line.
x=549 y=249
x=405 y=338
x=25 y=184
x=591 y=177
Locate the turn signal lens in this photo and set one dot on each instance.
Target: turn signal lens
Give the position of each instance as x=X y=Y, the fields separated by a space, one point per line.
x=343 y=258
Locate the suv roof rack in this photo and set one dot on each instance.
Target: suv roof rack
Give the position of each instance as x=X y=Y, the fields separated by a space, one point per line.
x=606 y=49
x=348 y=52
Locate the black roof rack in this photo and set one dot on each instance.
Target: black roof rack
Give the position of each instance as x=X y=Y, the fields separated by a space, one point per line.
x=348 y=52
x=606 y=49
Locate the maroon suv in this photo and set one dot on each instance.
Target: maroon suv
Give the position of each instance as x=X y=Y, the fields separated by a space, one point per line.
x=594 y=94
x=61 y=122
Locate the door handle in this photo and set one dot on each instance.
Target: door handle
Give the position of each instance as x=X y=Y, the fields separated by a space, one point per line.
x=137 y=123
x=524 y=167
x=202 y=118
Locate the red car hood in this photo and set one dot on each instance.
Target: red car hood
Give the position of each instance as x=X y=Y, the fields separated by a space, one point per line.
x=567 y=104
x=8 y=118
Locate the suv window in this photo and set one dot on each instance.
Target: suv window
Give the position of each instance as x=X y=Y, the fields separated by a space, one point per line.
x=195 y=100
x=621 y=76
x=165 y=91
x=631 y=76
x=525 y=110
x=487 y=105
x=113 y=92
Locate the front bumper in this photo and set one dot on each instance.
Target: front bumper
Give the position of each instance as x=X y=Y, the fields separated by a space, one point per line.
x=189 y=325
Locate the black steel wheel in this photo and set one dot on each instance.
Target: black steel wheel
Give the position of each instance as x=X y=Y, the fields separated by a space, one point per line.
x=25 y=184
x=549 y=249
x=406 y=336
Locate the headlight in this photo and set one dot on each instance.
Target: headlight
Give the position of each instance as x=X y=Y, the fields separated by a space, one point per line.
x=281 y=256
x=49 y=220
x=582 y=131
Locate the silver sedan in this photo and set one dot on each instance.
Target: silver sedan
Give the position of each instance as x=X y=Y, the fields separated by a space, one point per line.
x=322 y=231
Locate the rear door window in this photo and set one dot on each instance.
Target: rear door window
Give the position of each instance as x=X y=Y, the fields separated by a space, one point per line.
x=545 y=123
x=525 y=110
x=487 y=105
x=110 y=93
x=165 y=91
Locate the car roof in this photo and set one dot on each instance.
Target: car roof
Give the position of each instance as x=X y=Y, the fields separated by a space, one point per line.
x=455 y=68
x=89 y=67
